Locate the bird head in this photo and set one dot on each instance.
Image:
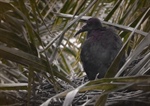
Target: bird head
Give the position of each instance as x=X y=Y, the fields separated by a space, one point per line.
x=91 y=24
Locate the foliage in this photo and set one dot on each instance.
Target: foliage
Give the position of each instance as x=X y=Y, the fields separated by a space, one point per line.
x=37 y=46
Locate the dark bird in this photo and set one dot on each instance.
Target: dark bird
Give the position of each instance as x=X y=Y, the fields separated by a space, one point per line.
x=99 y=49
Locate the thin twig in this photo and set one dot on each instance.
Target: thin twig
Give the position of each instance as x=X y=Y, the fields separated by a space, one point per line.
x=117 y=26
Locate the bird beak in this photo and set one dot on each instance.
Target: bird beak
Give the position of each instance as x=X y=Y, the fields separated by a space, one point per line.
x=84 y=28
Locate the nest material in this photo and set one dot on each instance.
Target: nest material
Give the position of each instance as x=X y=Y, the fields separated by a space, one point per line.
x=45 y=91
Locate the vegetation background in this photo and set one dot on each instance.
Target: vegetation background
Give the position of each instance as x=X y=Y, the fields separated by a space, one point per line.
x=39 y=56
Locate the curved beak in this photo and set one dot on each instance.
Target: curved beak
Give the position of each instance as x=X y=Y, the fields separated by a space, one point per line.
x=84 y=28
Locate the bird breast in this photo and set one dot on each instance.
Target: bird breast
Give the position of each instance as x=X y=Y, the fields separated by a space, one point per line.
x=95 y=52
x=100 y=47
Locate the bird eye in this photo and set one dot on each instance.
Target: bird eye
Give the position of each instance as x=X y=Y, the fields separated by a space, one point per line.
x=88 y=23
